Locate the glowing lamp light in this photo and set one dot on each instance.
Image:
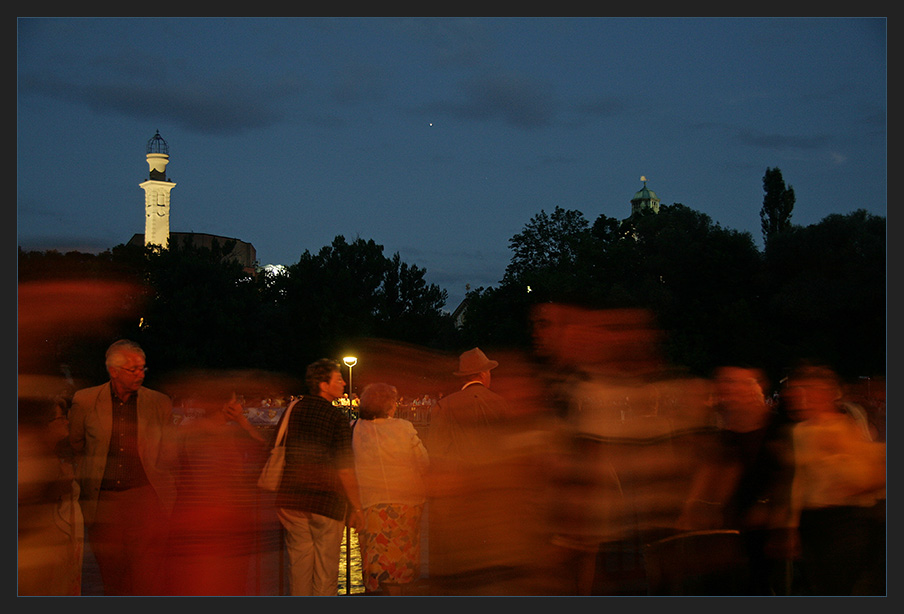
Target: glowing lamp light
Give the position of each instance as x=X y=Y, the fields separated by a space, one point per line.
x=350 y=361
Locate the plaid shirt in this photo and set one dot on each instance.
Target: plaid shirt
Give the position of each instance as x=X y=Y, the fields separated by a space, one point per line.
x=318 y=445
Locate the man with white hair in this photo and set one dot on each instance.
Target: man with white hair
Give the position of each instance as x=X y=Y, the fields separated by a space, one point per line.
x=122 y=435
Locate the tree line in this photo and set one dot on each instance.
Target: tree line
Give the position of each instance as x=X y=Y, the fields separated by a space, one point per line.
x=814 y=292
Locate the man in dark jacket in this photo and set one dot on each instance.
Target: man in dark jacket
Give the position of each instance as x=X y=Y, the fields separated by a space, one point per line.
x=469 y=508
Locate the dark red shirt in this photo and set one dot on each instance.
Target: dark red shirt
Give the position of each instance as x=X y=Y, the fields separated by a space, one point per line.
x=124 y=469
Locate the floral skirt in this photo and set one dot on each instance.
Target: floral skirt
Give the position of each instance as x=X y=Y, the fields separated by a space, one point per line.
x=391 y=544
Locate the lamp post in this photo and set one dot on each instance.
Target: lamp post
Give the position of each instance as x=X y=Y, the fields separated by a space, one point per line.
x=350 y=361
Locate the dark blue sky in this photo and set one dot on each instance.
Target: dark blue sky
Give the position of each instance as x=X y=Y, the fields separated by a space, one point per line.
x=439 y=138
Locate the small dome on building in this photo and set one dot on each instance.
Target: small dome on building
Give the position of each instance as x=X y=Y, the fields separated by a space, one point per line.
x=644 y=193
x=644 y=199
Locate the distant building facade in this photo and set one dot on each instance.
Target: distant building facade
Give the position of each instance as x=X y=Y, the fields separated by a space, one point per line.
x=242 y=252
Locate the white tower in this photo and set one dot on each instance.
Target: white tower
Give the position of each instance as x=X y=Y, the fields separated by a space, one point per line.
x=157 y=194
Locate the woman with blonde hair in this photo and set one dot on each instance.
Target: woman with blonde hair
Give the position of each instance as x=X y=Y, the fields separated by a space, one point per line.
x=390 y=462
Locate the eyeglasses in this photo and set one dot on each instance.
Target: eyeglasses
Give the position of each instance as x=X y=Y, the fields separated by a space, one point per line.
x=134 y=370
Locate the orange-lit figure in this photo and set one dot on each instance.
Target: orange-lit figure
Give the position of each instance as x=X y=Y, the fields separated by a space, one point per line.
x=487 y=498
x=744 y=421
x=631 y=439
x=838 y=492
x=486 y=507
x=52 y=314
x=467 y=518
x=215 y=521
x=50 y=523
x=745 y=485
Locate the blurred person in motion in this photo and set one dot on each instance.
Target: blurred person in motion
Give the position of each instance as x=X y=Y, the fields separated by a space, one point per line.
x=50 y=527
x=319 y=491
x=122 y=433
x=390 y=463
x=631 y=438
x=837 y=512
x=488 y=491
x=469 y=507
x=746 y=481
x=214 y=522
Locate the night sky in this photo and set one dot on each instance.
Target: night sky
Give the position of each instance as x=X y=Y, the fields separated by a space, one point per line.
x=439 y=138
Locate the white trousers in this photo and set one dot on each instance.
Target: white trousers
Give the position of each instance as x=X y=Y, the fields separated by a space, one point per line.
x=313 y=544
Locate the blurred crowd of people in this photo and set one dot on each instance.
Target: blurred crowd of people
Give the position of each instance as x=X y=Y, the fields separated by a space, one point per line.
x=533 y=469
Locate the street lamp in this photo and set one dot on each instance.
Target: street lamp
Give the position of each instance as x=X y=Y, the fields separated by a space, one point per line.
x=350 y=361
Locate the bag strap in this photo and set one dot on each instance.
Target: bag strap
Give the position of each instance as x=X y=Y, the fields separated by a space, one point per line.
x=284 y=424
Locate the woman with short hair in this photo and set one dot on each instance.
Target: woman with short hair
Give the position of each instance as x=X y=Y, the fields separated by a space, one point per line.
x=390 y=462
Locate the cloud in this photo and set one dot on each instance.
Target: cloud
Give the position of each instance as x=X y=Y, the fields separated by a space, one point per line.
x=765 y=140
x=206 y=104
x=602 y=107
x=462 y=42
x=509 y=98
x=359 y=83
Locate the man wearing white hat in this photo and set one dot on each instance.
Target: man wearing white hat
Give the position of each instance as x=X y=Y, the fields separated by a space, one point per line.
x=467 y=513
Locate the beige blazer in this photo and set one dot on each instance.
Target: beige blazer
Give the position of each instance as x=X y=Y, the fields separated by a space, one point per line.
x=90 y=425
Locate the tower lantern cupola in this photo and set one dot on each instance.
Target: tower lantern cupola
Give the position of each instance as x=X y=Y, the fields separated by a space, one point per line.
x=644 y=199
x=158 y=157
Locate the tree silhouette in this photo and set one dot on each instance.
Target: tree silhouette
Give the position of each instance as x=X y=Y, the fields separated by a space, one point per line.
x=778 y=204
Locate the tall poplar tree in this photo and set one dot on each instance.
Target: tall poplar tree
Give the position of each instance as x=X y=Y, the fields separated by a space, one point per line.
x=778 y=203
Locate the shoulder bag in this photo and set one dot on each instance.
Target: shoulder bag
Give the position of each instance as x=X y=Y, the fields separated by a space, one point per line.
x=271 y=475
